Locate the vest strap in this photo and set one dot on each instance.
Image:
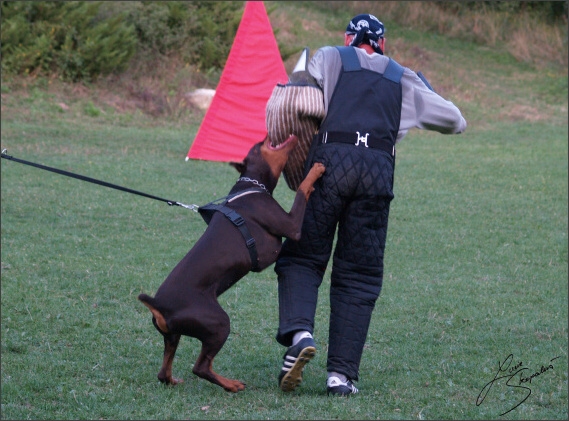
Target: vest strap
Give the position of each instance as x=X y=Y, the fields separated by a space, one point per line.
x=394 y=71
x=349 y=59
x=355 y=139
x=350 y=62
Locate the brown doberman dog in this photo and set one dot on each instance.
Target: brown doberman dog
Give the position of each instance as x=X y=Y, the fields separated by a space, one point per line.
x=186 y=303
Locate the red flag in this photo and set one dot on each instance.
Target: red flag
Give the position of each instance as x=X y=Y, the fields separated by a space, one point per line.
x=235 y=119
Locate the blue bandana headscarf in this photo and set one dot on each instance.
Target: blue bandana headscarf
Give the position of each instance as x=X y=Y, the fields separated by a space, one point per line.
x=367 y=29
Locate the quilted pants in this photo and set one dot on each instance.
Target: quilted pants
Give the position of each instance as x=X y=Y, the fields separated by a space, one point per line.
x=353 y=196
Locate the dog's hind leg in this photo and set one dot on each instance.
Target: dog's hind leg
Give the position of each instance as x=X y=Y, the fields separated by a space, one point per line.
x=171 y=342
x=204 y=369
x=216 y=327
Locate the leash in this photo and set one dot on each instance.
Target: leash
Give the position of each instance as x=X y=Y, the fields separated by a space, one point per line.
x=95 y=181
x=205 y=211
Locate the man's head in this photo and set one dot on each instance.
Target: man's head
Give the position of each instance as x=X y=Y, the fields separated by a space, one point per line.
x=365 y=29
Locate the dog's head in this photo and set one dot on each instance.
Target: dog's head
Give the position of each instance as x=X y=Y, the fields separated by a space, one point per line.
x=265 y=162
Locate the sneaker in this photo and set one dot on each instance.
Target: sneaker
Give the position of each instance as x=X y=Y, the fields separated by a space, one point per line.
x=295 y=358
x=336 y=386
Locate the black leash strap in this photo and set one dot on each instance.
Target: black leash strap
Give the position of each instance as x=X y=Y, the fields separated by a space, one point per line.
x=206 y=211
x=95 y=181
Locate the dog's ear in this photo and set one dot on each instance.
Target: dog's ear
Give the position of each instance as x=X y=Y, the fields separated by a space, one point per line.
x=239 y=166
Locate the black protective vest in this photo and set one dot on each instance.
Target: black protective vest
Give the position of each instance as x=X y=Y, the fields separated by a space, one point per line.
x=365 y=101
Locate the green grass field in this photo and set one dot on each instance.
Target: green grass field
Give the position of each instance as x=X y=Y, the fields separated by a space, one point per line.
x=475 y=269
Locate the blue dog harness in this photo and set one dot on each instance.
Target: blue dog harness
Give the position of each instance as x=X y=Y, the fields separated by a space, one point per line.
x=207 y=212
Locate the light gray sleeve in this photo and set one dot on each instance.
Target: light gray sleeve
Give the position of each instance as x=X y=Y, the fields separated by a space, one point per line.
x=424 y=109
x=325 y=69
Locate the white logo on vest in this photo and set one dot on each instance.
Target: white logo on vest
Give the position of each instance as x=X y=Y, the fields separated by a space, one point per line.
x=362 y=139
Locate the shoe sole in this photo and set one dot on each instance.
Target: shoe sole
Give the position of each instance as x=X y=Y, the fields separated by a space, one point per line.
x=293 y=378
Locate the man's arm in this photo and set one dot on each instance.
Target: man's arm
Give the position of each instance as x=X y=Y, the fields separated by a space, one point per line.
x=424 y=109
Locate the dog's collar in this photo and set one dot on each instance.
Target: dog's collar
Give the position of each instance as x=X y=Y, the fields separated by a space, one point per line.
x=244 y=193
x=251 y=180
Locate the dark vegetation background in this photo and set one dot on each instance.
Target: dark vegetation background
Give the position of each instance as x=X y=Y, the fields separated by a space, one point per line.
x=148 y=55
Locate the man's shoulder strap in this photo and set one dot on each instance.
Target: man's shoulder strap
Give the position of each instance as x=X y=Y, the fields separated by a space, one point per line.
x=349 y=59
x=350 y=62
x=393 y=71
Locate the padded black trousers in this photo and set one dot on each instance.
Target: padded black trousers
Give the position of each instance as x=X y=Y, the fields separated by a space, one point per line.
x=352 y=197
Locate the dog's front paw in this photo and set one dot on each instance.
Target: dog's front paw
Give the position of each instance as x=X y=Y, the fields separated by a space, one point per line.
x=315 y=173
x=317 y=169
x=307 y=185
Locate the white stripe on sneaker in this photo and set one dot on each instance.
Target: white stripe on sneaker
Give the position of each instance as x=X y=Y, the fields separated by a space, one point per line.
x=335 y=382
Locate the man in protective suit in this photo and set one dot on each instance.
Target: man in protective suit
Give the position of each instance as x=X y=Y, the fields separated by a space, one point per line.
x=370 y=103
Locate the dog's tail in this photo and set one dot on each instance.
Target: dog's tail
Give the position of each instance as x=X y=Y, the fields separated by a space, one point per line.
x=158 y=317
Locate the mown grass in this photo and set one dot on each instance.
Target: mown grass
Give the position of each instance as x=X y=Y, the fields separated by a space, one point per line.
x=476 y=269
x=476 y=261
